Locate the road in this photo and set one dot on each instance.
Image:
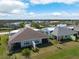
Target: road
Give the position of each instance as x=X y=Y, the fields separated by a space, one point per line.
x=13 y=31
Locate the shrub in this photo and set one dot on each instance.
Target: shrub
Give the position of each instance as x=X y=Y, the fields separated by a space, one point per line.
x=51 y=37
x=26 y=52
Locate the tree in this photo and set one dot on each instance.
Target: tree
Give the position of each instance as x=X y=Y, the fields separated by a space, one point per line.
x=26 y=53
x=36 y=25
x=22 y=24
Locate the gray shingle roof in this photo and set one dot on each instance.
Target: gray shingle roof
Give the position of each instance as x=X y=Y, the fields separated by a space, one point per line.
x=76 y=28
x=26 y=34
x=62 y=31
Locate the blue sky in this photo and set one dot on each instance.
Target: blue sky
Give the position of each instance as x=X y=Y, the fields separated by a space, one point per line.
x=39 y=9
x=53 y=7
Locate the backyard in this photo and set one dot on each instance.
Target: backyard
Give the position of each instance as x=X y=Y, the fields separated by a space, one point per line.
x=68 y=50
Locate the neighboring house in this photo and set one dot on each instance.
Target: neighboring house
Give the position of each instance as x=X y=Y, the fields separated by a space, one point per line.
x=60 y=32
x=61 y=25
x=76 y=28
x=47 y=30
x=25 y=37
x=71 y=27
x=65 y=25
x=12 y=25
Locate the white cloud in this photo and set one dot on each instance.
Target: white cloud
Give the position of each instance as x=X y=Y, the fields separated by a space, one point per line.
x=13 y=9
x=32 y=15
x=54 y=15
x=3 y=14
x=53 y=1
x=12 y=6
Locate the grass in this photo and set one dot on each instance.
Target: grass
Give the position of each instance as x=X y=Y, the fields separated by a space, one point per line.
x=4 y=39
x=3 y=46
x=70 y=50
x=65 y=54
x=54 y=41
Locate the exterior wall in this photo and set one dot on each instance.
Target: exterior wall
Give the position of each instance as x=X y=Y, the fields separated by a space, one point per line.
x=29 y=42
x=24 y=42
x=78 y=34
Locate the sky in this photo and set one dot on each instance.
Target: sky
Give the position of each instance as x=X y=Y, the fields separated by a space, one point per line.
x=39 y=9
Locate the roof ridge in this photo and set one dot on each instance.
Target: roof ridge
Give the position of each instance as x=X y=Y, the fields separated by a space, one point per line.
x=21 y=30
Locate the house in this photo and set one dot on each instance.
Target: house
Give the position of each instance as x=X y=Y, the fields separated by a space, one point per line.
x=25 y=37
x=76 y=28
x=61 y=25
x=65 y=25
x=12 y=25
x=48 y=30
x=71 y=27
x=60 y=32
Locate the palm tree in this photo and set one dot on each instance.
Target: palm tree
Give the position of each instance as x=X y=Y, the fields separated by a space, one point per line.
x=26 y=53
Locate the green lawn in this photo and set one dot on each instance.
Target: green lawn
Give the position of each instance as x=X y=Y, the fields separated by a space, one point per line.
x=72 y=53
x=69 y=51
x=3 y=46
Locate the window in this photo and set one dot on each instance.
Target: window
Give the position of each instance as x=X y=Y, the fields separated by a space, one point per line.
x=26 y=43
x=36 y=41
x=55 y=37
x=78 y=33
x=51 y=31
